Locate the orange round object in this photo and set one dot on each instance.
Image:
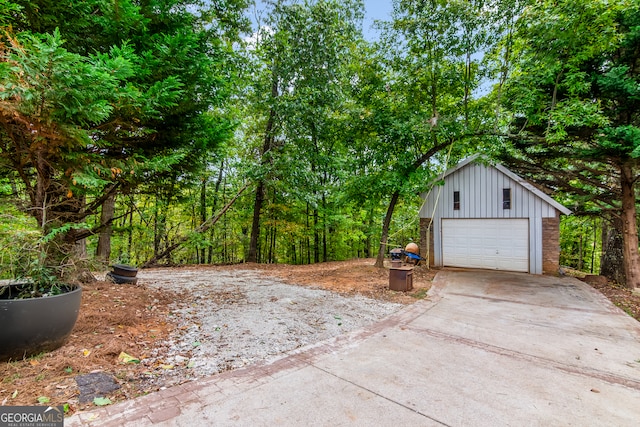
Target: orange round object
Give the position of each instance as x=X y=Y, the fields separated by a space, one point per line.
x=413 y=248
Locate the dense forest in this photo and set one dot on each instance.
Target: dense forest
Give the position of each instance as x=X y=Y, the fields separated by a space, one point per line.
x=223 y=131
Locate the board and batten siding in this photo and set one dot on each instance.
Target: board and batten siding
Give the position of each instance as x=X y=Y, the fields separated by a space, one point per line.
x=480 y=188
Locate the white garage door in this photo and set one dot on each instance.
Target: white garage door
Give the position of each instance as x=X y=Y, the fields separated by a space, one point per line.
x=497 y=244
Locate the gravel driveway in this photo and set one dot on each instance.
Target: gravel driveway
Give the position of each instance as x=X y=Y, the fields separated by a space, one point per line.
x=230 y=319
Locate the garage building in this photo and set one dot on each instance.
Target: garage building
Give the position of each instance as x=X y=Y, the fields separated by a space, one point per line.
x=485 y=216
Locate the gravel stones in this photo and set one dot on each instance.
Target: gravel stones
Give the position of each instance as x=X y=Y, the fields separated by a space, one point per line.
x=230 y=319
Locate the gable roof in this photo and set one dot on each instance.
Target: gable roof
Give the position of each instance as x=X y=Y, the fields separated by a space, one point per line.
x=526 y=184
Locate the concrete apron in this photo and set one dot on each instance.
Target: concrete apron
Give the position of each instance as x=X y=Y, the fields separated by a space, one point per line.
x=486 y=349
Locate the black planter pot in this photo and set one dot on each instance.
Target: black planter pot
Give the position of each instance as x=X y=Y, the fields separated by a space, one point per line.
x=116 y=278
x=124 y=270
x=33 y=325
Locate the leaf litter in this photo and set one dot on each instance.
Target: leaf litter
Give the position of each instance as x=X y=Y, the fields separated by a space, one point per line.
x=168 y=322
x=181 y=324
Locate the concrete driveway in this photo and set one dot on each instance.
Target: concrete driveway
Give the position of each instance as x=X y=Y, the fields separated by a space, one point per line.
x=486 y=349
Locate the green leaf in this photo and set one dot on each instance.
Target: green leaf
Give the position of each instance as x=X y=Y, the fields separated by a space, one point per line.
x=101 y=401
x=127 y=358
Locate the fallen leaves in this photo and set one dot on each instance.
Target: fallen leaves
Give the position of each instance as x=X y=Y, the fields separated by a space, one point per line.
x=100 y=335
x=102 y=401
x=126 y=358
x=620 y=296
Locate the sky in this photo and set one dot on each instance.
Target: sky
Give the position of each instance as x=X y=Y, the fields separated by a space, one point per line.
x=375 y=10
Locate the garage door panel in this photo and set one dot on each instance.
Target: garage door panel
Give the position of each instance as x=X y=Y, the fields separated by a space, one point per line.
x=499 y=244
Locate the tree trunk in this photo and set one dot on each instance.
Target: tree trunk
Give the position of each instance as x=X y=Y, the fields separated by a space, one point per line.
x=629 y=228
x=580 y=250
x=308 y=241
x=264 y=253
x=257 y=206
x=595 y=245
x=367 y=242
x=272 y=250
x=80 y=249
x=213 y=209
x=103 y=251
x=255 y=225
x=611 y=263
x=325 y=257
x=316 y=237
x=396 y=195
x=201 y=229
x=202 y=253
x=385 y=229
x=158 y=225
x=130 y=237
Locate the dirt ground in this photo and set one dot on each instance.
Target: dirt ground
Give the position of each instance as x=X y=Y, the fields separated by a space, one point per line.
x=621 y=297
x=140 y=320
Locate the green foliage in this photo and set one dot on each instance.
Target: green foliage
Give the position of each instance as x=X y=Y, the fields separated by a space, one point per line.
x=24 y=264
x=44 y=81
x=581 y=243
x=414 y=94
x=102 y=95
x=294 y=109
x=24 y=256
x=575 y=96
x=19 y=235
x=8 y=11
x=157 y=103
